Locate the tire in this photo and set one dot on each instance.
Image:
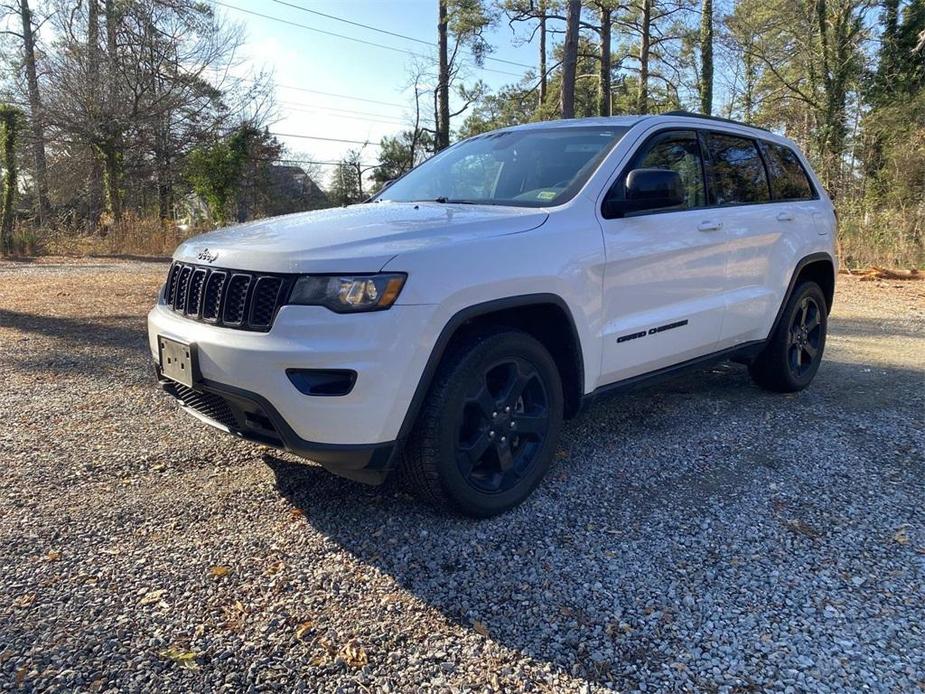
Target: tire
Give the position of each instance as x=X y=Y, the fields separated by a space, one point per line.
x=467 y=451
x=791 y=358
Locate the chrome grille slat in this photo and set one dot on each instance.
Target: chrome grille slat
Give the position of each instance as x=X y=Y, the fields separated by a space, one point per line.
x=229 y=298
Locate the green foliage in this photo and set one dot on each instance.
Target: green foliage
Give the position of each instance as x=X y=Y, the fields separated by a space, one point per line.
x=10 y=121
x=227 y=174
x=400 y=154
x=345 y=188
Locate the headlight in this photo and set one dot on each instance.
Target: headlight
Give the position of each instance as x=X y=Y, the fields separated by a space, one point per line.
x=348 y=294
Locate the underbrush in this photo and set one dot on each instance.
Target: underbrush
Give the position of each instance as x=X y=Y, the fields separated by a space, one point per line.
x=881 y=237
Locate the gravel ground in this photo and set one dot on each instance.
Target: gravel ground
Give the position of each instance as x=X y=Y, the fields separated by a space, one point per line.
x=696 y=535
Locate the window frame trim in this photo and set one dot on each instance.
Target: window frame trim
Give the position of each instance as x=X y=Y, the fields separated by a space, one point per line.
x=706 y=160
x=814 y=193
x=624 y=172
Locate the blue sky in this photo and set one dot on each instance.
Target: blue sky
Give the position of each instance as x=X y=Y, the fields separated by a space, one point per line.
x=311 y=60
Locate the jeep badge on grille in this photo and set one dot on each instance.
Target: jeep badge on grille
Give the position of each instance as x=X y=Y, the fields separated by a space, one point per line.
x=207 y=256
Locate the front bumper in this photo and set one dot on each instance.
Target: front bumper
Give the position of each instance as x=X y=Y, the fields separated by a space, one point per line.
x=252 y=417
x=246 y=371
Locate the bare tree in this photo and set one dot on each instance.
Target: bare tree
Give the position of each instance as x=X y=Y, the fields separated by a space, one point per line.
x=40 y=172
x=706 y=57
x=570 y=60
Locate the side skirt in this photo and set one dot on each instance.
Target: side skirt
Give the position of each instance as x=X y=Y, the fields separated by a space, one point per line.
x=742 y=354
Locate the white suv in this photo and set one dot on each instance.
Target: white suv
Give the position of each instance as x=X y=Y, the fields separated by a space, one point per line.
x=448 y=325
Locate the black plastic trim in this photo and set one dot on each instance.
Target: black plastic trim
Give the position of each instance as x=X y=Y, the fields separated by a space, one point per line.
x=471 y=313
x=811 y=258
x=367 y=463
x=743 y=352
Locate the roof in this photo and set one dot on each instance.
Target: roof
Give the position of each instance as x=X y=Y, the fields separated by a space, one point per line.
x=628 y=121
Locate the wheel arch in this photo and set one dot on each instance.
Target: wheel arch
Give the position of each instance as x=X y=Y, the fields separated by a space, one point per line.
x=816 y=267
x=546 y=317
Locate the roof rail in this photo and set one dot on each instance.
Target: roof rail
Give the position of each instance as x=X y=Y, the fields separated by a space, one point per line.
x=691 y=114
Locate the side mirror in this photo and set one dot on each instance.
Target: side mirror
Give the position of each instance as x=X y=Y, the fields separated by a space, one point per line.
x=648 y=189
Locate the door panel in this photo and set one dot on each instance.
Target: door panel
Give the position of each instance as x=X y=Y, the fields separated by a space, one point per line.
x=665 y=272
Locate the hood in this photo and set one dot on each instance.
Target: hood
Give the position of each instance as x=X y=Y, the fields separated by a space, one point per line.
x=360 y=238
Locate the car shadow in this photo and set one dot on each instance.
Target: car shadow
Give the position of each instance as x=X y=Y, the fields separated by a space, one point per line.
x=636 y=502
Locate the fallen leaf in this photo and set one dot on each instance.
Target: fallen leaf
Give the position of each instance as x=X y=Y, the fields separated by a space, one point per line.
x=53 y=555
x=151 y=597
x=21 y=676
x=480 y=628
x=803 y=528
x=276 y=567
x=354 y=655
x=296 y=513
x=219 y=571
x=303 y=628
x=24 y=600
x=185 y=659
x=901 y=535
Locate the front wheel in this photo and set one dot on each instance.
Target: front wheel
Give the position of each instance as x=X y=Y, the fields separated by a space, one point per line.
x=489 y=426
x=794 y=351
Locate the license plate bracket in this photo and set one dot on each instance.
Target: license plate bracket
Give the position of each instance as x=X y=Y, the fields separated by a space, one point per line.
x=178 y=361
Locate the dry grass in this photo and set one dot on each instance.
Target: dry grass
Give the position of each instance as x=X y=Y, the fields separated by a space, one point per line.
x=892 y=238
x=882 y=238
x=134 y=235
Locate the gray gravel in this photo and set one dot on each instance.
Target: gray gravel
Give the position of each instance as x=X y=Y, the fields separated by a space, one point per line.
x=696 y=535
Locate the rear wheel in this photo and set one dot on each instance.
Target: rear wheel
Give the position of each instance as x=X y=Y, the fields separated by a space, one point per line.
x=792 y=356
x=488 y=429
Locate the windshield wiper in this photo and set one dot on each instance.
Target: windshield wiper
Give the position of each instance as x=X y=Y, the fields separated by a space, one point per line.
x=443 y=200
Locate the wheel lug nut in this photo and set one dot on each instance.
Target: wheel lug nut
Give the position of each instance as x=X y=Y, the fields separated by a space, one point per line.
x=507 y=409
x=491 y=434
x=503 y=439
x=513 y=424
x=494 y=415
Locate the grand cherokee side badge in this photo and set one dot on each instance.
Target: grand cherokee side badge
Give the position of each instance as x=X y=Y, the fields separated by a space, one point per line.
x=205 y=255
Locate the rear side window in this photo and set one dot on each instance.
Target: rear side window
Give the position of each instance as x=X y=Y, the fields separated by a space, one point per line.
x=788 y=177
x=738 y=172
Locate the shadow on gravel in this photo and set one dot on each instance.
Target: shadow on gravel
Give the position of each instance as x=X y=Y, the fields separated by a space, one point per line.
x=123 y=329
x=636 y=542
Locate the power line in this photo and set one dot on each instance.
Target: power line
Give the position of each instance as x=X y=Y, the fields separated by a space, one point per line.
x=339 y=36
x=316 y=91
x=385 y=31
x=327 y=139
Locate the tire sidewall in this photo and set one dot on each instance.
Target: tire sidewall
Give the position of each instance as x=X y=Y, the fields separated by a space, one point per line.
x=814 y=291
x=472 y=365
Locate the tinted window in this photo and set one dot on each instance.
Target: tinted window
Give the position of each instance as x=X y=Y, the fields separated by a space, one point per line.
x=533 y=167
x=788 y=178
x=738 y=171
x=678 y=151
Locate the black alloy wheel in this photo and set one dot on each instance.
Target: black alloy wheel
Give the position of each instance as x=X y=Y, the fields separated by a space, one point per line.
x=489 y=427
x=502 y=425
x=805 y=337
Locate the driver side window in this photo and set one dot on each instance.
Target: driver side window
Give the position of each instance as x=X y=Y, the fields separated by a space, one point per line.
x=675 y=150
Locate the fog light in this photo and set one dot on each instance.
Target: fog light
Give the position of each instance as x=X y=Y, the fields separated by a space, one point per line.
x=322 y=381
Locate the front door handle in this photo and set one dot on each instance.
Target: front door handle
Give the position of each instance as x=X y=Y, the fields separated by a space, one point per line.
x=709 y=226
x=784 y=217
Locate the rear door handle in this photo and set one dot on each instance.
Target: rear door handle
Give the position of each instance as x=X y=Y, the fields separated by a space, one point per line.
x=784 y=217
x=709 y=226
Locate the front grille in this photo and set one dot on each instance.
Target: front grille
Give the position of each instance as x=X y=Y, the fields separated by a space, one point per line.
x=230 y=298
x=208 y=405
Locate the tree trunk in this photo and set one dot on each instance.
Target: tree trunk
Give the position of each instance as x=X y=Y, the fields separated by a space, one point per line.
x=570 y=60
x=95 y=183
x=8 y=127
x=442 y=137
x=604 y=106
x=642 y=100
x=543 y=79
x=113 y=146
x=706 y=58
x=38 y=125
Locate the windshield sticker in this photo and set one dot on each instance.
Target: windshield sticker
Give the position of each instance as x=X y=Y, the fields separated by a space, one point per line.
x=546 y=195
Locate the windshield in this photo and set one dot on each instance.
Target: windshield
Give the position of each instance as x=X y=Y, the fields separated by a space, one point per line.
x=524 y=168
